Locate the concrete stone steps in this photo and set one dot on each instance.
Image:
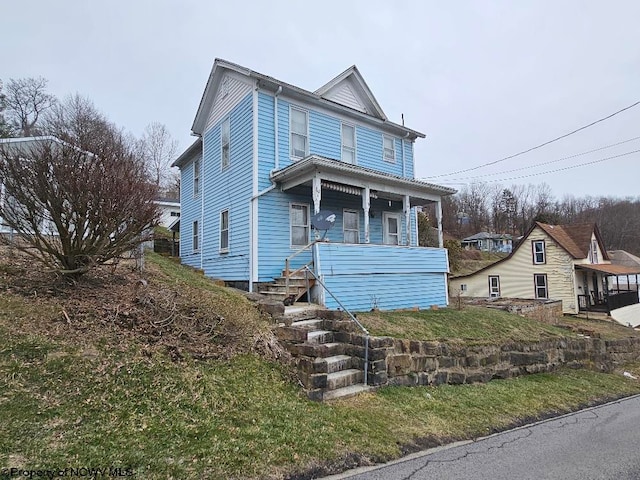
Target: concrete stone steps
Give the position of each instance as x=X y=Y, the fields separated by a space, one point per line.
x=346 y=392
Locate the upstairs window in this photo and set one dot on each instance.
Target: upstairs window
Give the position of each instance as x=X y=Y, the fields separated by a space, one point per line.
x=348 y=143
x=299 y=220
x=224 y=141
x=389 y=149
x=594 y=251
x=196 y=177
x=224 y=231
x=299 y=126
x=539 y=254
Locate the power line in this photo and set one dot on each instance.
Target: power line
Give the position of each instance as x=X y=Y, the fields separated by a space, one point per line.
x=538 y=146
x=544 y=163
x=567 y=168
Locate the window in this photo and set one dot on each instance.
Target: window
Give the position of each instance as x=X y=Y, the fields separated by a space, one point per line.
x=391 y=225
x=539 y=256
x=224 y=231
x=224 y=141
x=196 y=177
x=196 y=243
x=350 y=226
x=348 y=143
x=594 y=251
x=389 y=149
x=463 y=287
x=299 y=129
x=540 y=282
x=494 y=286
x=299 y=219
x=174 y=214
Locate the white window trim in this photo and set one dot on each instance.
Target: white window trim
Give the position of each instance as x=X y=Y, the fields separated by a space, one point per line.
x=224 y=166
x=544 y=252
x=221 y=248
x=196 y=177
x=195 y=236
x=594 y=251
x=491 y=293
x=291 y=133
x=393 y=142
x=357 y=229
x=536 y=286
x=385 y=232
x=308 y=207
x=355 y=142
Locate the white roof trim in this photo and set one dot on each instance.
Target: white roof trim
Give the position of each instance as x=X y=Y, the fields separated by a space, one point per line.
x=352 y=73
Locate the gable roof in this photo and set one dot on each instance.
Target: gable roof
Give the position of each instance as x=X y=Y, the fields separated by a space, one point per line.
x=575 y=239
x=485 y=235
x=350 y=77
x=621 y=257
x=352 y=81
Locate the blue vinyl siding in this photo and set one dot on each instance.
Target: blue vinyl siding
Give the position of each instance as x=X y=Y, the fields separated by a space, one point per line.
x=408 y=159
x=230 y=189
x=190 y=211
x=391 y=277
x=266 y=140
x=325 y=135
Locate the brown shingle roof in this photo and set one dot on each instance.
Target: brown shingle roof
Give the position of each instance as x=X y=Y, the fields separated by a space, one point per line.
x=575 y=239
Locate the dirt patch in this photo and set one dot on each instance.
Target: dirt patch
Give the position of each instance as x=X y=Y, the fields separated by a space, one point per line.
x=118 y=306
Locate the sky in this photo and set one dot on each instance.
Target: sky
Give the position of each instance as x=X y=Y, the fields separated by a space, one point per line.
x=483 y=80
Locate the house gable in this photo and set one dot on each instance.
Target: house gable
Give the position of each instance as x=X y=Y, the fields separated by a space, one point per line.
x=350 y=89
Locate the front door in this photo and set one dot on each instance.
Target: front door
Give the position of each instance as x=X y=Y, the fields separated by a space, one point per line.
x=391 y=226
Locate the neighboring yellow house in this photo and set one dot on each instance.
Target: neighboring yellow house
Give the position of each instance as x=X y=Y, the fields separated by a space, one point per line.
x=558 y=262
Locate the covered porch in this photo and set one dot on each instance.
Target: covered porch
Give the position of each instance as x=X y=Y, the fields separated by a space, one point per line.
x=370 y=257
x=606 y=287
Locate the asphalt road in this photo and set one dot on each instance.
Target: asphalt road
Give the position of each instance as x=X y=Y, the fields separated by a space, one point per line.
x=598 y=443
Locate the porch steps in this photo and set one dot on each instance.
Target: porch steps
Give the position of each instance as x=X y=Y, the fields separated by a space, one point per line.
x=277 y=290
x=326 y=368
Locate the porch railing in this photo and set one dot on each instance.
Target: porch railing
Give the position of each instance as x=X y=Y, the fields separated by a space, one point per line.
x=287 y=267
x=623 y=299
x=353 y=318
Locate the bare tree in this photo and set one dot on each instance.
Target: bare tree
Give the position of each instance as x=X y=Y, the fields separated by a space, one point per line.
x=5 y=127
x=78 y=200
x=159 y=151
x=26 y=101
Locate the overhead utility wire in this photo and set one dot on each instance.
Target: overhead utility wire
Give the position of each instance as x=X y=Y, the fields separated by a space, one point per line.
x=566 y=168
x=537 y=146
x=543 y=163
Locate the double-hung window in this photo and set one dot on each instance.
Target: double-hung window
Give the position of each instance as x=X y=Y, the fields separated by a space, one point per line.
x=494 y=286
x=225 y=134
x=594 y=251
x=348 y=143
x=196 y=177
x=299 y=126
x=224 y=231
x=539 y=253
x=196 y=239
x=388 y=148
x=540 y=283
x=299 y=220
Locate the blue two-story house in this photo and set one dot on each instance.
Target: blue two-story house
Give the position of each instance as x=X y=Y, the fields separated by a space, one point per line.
x=269 y=156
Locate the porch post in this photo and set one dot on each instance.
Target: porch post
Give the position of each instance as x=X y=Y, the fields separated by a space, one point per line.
x=317 y=194
x=407 y=217
x=439 y=220
x=366 y=206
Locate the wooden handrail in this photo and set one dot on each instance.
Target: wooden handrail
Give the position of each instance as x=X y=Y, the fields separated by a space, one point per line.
x=287 y=262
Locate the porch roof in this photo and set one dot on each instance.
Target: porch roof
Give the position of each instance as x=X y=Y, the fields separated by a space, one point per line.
x=384 y=185
x=610 y=269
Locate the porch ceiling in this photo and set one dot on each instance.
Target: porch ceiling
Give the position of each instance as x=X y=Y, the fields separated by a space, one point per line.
x=610 y=269
x=384 y=185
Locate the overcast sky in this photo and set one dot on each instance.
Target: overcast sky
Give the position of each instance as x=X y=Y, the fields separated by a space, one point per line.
x=482 y=79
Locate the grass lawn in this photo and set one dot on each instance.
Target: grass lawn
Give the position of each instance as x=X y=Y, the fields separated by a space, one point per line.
x=71 y=396
x=472 y=325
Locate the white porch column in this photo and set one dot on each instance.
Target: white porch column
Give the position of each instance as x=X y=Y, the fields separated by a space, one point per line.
x=407 y=217
x=317 y=194
x=366 y=206
x=439 y=219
